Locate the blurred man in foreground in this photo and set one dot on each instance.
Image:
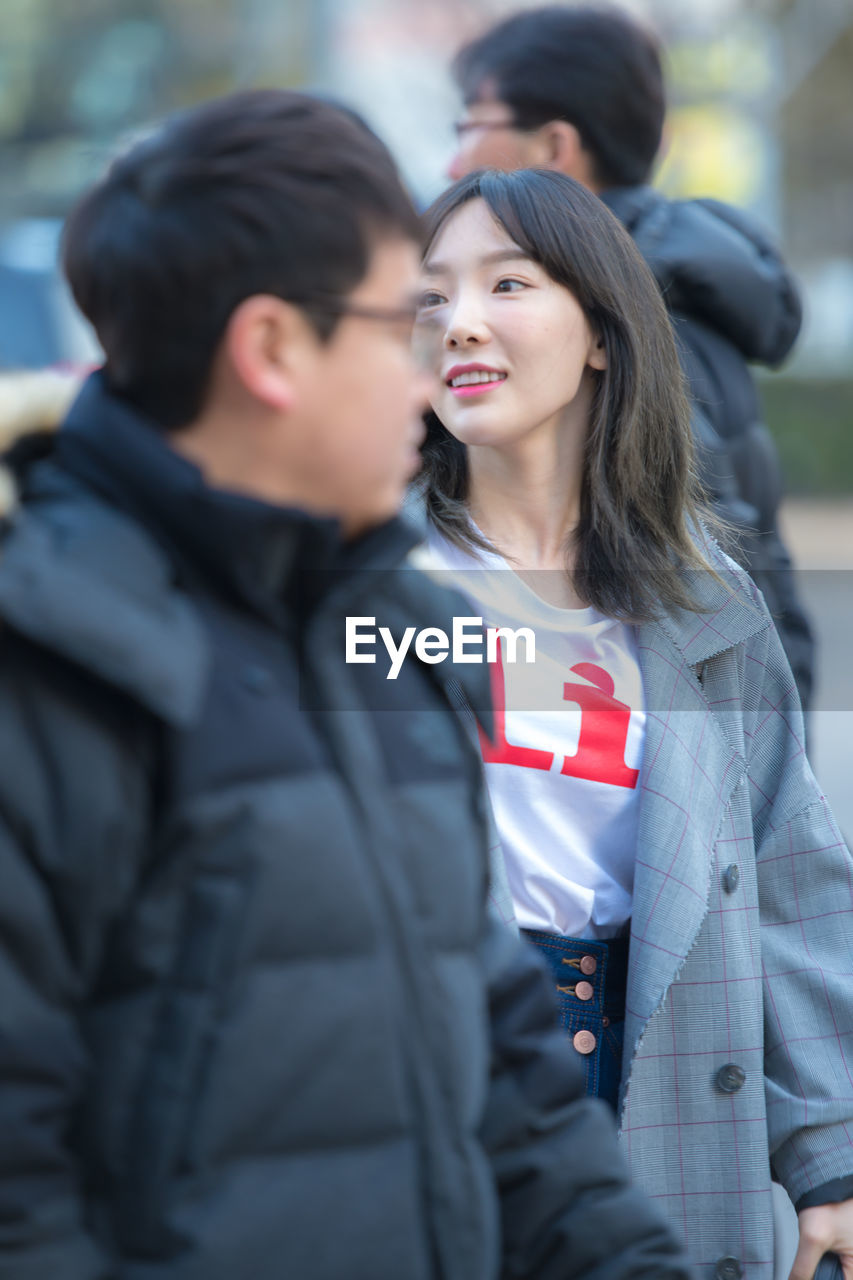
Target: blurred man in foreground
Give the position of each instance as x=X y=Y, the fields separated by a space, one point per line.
x=254 y=1019
x=581 y=90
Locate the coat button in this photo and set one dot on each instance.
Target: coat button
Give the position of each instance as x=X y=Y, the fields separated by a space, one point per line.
x=730 y=1078
x=731 y=877
x=584 y=1041
x=583 y=990
x=728 y=1268
x=588 y=965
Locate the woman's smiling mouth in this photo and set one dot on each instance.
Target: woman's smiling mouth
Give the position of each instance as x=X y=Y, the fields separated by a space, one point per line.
x=473 y=379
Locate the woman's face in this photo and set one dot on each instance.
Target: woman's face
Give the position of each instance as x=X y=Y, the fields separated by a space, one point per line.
x=511 y=349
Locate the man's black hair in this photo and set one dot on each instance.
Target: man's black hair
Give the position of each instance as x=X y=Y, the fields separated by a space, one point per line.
x=261 y=192
x=594 y=67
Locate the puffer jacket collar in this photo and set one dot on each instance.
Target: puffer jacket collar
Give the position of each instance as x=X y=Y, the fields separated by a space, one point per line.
x=714 y=264
x=113 y=528
x=270 y=558
x=88 y=584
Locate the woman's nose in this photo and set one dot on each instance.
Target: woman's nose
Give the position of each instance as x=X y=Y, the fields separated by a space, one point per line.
x=465 y=324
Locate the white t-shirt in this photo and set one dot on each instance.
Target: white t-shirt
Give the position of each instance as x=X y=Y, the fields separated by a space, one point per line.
x=563 y=768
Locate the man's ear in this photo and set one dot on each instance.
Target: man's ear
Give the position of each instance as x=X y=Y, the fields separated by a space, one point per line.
x=262 y=343
x=565 y=152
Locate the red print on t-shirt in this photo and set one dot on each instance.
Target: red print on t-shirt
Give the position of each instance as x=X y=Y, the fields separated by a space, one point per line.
x=600 y=756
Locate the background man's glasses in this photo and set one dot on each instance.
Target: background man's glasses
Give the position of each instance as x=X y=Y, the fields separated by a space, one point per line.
x=463 y=127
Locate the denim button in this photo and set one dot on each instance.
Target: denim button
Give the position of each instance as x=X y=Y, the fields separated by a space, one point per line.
x=728 y=1268
x=584 y=990
x=731 y=877
x=584 y=1041
x=588 y=965
x=730 y=1078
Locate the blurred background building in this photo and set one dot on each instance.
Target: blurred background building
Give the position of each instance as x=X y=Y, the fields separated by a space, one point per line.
x=762 y=115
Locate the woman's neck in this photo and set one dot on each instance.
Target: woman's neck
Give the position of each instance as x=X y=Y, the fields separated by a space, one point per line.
x=526 y=500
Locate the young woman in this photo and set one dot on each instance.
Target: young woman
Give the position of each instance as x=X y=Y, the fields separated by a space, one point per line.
x=663 y=839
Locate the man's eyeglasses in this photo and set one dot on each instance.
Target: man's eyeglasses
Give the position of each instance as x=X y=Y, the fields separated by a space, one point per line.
x=401 y=319
x=463 y=127
x=419 y=339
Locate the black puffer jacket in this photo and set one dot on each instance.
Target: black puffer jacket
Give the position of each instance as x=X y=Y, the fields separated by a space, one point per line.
x=254 y=1021
x=732 y=301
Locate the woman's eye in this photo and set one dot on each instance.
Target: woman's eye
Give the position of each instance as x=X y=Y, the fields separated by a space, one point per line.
x=430 y=299
x=509 y=285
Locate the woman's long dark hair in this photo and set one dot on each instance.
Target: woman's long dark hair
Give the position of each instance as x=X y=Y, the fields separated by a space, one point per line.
x=640 y=499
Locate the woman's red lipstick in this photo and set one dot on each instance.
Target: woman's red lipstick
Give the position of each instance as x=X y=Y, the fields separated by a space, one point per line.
x=473 y=388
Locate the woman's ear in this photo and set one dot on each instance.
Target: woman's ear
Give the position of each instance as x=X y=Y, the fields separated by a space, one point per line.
x=262 y=342
x=596 y=356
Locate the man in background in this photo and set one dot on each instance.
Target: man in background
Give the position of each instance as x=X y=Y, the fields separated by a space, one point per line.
x=581 y=90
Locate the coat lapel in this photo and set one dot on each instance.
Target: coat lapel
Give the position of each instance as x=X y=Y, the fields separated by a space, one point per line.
x=690 y=768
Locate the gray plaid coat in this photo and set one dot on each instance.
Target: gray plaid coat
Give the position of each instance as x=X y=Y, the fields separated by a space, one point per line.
x=741 y=939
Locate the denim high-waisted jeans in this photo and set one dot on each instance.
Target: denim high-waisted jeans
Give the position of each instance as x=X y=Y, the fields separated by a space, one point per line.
x=590 y=978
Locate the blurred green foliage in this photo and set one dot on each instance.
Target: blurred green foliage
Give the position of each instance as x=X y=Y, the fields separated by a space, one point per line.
x=812 y=422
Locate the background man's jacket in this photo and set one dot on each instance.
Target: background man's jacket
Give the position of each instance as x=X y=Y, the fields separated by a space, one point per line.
x=732 y=302
x=254 y=1021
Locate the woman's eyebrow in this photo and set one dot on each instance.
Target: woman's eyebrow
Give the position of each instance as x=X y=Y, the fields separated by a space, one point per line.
x=487 y=260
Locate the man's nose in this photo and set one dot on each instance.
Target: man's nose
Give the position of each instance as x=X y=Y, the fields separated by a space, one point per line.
x=424 y=386
x=457 y=168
